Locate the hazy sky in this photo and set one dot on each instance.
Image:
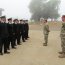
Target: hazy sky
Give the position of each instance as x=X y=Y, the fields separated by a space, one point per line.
x=62 y=7
x=19 y=8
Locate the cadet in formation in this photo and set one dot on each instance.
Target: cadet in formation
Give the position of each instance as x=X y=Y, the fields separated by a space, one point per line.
x=11 y=34
x=3 y=36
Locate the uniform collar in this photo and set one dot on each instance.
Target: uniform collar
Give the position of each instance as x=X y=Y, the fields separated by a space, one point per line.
x=9 y=22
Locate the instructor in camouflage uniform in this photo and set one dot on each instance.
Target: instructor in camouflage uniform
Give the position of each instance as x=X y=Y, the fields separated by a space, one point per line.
x=62 y=35
x=45 y=32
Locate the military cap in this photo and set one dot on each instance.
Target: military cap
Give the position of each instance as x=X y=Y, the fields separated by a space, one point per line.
x=15 y=20
x=9 y=19
x=21 y=20
x=3 y=16
x=26 y=20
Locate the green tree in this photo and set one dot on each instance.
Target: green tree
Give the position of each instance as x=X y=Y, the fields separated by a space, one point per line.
x=35 y=9
x=53 y=7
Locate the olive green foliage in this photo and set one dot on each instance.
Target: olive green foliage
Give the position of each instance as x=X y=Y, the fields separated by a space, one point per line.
x=44 y=8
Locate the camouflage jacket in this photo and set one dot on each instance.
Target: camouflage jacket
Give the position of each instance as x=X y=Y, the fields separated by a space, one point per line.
x=62 y=34
x=46 y=29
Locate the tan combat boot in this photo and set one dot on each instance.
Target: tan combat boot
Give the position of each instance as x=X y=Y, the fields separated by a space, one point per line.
x=44 y=44
x=60 y=52
x=62 y=55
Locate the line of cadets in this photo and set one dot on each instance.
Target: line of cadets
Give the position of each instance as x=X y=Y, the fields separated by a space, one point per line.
x=12 y=32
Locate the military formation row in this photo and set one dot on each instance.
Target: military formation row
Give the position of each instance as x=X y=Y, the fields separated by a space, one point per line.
x=12 y=32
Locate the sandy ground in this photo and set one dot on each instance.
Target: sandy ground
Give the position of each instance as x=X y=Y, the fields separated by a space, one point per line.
x=33 y=52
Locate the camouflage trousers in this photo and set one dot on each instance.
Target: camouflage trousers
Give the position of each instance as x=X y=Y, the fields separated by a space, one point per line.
x=46 y=38
x=63 y=44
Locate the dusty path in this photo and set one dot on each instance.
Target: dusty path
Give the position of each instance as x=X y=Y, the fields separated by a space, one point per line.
x=33 y=53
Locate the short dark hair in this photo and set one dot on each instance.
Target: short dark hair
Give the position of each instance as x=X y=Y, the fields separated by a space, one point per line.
x=3 y=16
x=45 y=20
x=15 y=20
x=21 y=20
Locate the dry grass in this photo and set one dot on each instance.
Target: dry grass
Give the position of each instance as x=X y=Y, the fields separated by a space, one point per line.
x=53 y=26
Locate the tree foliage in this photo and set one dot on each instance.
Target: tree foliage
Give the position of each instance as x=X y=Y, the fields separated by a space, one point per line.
x=44 y=8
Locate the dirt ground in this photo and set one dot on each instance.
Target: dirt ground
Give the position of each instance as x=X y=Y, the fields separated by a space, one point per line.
x=33 y=52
